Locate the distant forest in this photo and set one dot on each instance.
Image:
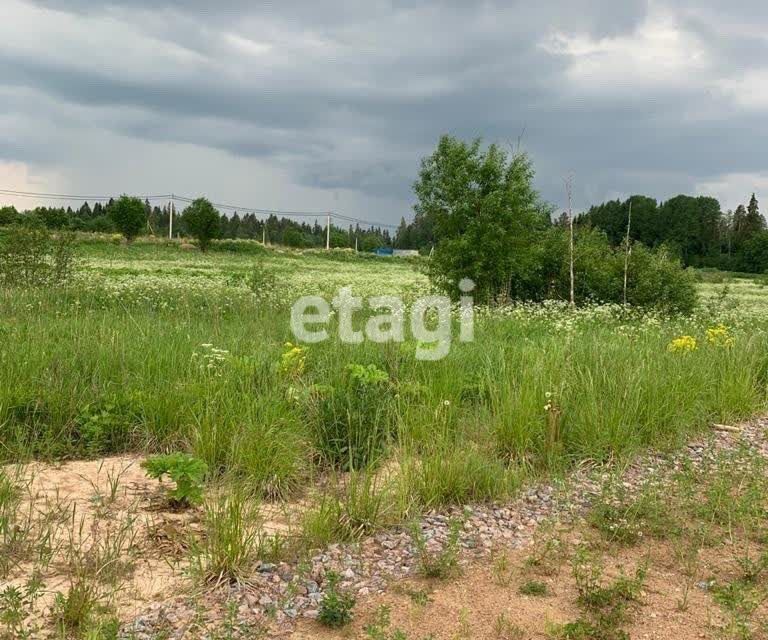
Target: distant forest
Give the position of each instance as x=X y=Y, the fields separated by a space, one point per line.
x=695 y=228
x=282 y=231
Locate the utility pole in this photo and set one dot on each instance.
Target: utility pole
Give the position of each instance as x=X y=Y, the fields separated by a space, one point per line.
x=355 y=243
x=627 y=251
x=264 y=234
x=328 y=231
x=569 y=192
x=170 y=218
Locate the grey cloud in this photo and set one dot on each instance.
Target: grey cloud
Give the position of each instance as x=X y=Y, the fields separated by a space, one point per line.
x=357 y=111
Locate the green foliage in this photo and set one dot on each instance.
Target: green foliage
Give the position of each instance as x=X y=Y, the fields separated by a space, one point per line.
x=261 y=279
x=17 y=608
x=201 y=220
x=627 y=519
x=129 y=216
x=14 y=532
x=379 y=629
x=533 y=588
x=486 y=218
x=352 y=421
x=8 y=215
x=655 y=278
x=605 y=607
x=695 y=227
x=336 y=605
x=491 y=227
x=104 y=428
x=186 y=471
x=232 y=537
x=447 y=475
x=74 y=610
x=33 y=257
x=361 y=506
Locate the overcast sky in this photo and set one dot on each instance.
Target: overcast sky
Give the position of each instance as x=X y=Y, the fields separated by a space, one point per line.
x=330 y=105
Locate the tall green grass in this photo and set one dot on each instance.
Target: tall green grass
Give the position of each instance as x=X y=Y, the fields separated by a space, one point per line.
x=536 y=391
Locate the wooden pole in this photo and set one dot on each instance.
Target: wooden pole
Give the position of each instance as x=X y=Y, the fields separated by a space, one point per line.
x=170 y=218
x=627 y=251
x=569 y=192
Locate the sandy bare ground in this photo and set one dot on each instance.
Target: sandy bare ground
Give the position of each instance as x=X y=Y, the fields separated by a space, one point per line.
x=472 y=605
x=110 y=508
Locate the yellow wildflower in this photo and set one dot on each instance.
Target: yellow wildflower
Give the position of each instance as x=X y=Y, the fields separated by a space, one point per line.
x=293 y=360
x=719 y=336
x=683 y=344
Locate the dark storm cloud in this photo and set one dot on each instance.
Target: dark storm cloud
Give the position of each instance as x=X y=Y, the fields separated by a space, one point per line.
x=632 y=96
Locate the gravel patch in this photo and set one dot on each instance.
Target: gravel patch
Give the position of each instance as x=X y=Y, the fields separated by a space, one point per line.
x=279 y=594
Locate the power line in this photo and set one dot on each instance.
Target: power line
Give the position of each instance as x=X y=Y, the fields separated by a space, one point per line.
x=277 y=212
x=372 y=223
x=188 y=200
x=64 y=196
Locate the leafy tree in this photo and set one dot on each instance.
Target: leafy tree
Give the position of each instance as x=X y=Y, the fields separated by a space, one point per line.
x=656 y=279
x=129 y=216
x=486 y=217
x=8 y=215
x=755 y=255
x=201 y=220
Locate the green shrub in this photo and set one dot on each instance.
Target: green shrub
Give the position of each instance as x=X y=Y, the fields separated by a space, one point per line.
x=34 y=257
x=261 y=279
x=336 y=605
x=245 y=247
x=655 y=279
x=103 y=429
x=186 y=471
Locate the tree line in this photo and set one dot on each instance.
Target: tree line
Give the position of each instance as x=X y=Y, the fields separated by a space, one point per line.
x=145 y=219
x=694 y=228
x=479 y=210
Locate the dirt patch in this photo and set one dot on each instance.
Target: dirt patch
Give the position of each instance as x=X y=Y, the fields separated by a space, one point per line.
x=107 y=511
x=479 y=605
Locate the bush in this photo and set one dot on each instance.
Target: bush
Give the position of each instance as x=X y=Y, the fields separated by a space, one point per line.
x=656 y=279
x=336 y=606
x=242 y=246
x=186 y=471
x=202 y=222
x=103 y=428
x=490 y=226
x=34 y=257
x=129 y=215
x=8 y=215
x=261 y=279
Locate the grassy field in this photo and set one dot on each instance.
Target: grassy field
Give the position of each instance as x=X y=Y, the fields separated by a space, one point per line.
x=156 y=348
